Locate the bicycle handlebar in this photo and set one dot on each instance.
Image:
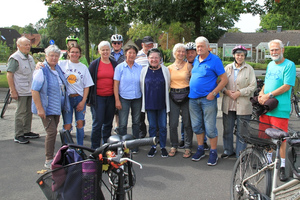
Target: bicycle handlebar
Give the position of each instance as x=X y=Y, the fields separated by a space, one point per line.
x=125 y=144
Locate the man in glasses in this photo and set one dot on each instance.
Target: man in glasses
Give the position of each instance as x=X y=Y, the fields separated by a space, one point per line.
x=117 y=51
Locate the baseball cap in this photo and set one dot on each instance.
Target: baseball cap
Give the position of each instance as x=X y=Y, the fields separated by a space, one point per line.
x=147 y=40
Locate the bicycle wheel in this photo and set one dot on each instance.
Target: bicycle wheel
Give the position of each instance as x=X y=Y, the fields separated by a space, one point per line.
x=297 y=103
x=250 y=161
x=6 y=102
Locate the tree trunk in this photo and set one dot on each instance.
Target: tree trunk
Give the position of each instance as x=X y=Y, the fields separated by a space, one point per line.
x=86 y=38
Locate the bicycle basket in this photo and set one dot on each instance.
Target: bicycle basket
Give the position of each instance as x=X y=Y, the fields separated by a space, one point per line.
x=81 y=181
x=254 y=133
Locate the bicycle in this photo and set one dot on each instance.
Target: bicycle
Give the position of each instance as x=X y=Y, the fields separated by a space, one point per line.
x=7 y=101
x=295 y=99
x=252 y=176
x=83 y=179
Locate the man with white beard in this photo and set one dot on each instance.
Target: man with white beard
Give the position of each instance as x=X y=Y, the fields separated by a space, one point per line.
x=280 y=78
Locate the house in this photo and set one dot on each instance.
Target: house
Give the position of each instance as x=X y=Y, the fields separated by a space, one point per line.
x=9 y=36
x=289 y=38
x=35 y=39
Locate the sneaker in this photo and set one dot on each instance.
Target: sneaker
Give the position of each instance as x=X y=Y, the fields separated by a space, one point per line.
x=213 y=158
x=198 y=155
x=224 y=155
x=21 y=140
x=142 y=134
x=206 y=147
x=31 y=135
x=282 y=176
x=48 y=164
x=181 y=145
x=152 y=152
x=135 y=151
x=164 y=153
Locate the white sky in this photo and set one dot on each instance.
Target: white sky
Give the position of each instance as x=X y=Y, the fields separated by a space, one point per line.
x=24 y=12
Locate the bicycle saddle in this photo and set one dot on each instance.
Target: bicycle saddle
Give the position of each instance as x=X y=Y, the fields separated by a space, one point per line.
x=275 y=133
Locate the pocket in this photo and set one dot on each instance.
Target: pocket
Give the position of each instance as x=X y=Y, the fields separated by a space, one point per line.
x=26 y=70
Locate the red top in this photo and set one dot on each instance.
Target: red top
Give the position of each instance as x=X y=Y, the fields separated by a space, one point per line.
x=105 y=79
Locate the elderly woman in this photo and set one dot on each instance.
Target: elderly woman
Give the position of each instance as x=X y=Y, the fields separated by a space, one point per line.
x=49 y=98
x=101 y=95
x=179 y=102
x=79 y=80
x=127 y=92
x=155 y=82
x=236 y=104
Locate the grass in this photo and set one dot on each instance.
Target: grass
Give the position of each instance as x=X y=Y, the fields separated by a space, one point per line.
x=3 y=80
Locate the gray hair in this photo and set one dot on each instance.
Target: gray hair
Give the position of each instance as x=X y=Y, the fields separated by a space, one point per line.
x=102 y=44
x=52 y=49
x=202 y=39
x=276 y=41
x=22 y=39
x=178 y=46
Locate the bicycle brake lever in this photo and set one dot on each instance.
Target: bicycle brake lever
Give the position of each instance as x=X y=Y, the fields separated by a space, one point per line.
x=130 y=160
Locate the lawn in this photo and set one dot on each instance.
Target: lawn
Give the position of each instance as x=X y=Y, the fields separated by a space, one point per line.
x=3 y=80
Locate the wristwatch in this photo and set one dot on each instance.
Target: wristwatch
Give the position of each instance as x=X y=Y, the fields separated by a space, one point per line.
x=271 y=95
x=215 y=94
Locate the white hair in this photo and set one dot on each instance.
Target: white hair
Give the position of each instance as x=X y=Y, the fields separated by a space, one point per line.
x=102 y=44
x=52 y=49
x=276 y=41
x=202 y=39
x=22 y=39
x=178 y=46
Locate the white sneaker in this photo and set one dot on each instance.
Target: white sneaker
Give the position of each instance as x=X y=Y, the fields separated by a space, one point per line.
x=48 y=164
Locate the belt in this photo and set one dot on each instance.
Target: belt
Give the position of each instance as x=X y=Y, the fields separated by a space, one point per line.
x=180 y=90
x=74 y=95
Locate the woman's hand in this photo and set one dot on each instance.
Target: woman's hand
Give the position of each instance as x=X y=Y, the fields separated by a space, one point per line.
x=80 y=106
x=118 y=105
x=233 y=94
x=41 y=113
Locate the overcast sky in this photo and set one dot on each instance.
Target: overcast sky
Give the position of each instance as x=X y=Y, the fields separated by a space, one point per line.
x=23 y=12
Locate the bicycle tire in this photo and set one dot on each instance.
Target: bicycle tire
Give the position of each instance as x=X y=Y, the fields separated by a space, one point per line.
x=249 y=162
x=297 y=103
x=6 y=102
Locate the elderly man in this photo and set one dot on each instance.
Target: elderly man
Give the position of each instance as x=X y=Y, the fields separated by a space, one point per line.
x=117 y=51
x=19 y=76
x=204 y=91
x=280 y=78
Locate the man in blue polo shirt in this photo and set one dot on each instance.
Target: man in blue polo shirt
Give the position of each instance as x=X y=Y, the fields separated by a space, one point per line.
x=204 y=91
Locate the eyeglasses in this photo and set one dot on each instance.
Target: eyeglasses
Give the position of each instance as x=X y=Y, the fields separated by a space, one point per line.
x=117 y=43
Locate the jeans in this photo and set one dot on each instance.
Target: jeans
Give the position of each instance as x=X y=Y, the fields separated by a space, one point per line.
x=203 y=114
x=79 y=115
x=135 y=105
x=228 y=125
x=102 y=114
x=158 y=117
x=174 y=121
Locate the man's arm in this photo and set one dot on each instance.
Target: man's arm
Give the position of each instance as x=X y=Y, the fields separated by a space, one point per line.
x=262 y=97
x=220 y=86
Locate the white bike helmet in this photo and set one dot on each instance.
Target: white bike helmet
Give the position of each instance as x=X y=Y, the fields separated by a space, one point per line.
x=116 y=38
x=190 y=46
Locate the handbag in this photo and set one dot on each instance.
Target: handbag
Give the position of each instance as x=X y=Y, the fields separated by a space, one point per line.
x=179 y=95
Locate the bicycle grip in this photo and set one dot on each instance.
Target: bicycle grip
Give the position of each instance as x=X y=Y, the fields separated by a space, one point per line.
x=140 y=142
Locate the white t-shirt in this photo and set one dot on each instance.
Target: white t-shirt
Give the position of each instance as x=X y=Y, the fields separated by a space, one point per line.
x=77 y=75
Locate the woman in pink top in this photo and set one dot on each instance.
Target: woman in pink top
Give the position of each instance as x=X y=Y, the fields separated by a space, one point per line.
x=180 y=73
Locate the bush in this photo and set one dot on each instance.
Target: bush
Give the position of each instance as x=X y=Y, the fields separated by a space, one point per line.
x=292 y=53
x=4 y=52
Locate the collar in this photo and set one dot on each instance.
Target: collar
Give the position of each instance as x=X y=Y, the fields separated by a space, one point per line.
x=121 y=52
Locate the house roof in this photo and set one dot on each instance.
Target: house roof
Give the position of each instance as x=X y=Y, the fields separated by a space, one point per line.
x=9 y=35
x=289 y=38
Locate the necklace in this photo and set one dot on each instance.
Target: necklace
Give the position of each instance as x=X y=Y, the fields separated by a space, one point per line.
x=179 y=65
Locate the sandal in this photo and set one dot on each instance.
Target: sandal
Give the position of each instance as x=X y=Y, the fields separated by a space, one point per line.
x=172 y=152
x=187 y=153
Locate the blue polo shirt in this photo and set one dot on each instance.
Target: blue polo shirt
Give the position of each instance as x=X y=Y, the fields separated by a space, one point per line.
x=204 y=76
x=276 y=76
x=129 y=78
x=117 y=55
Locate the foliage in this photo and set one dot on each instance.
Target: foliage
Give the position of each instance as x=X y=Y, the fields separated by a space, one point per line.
x=167 y=55
x=4 y=51
x=292 y=53
x=234 y=30
x=3 y=80
x=38 y=57
x=270 y=21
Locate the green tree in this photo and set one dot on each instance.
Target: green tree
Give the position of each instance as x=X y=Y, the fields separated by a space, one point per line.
x=234 y=30
x=29 y=29
x=79 y=13
x=270 y=21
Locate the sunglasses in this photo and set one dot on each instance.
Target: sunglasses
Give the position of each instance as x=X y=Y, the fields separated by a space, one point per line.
x=117 y=43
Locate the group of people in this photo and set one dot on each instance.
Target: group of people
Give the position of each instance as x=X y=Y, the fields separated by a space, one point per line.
x=123 y=81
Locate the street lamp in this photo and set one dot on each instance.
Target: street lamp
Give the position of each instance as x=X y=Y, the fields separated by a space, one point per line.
x=92 y=46
x=167 y=38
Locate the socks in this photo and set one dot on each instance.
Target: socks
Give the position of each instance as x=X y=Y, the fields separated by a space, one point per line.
x=269 y=156
x=282 y=163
